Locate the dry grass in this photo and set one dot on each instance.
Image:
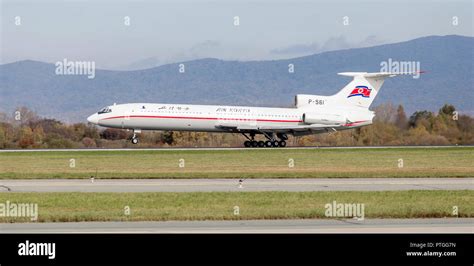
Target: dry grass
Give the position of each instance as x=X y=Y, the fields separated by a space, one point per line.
x=69 y=207
x=274 y=163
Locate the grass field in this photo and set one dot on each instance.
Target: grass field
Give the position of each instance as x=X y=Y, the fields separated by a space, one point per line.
x=68 y=207
x=264 y=163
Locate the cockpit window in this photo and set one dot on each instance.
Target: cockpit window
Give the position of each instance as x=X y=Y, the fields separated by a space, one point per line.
x=105 y=110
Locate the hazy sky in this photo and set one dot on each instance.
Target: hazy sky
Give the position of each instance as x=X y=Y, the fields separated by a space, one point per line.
x=170 y=31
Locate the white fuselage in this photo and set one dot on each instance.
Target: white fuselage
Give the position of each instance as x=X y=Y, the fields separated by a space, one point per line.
x=210 y=118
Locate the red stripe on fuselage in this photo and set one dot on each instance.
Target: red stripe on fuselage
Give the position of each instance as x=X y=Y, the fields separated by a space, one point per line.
x=200 y=118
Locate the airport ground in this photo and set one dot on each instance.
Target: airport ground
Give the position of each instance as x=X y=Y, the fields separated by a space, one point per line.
x=412 y=189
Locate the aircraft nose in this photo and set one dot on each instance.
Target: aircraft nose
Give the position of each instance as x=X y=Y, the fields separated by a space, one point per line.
x=94 y=119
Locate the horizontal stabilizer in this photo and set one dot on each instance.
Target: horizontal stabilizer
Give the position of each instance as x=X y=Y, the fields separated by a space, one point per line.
x=377 y=74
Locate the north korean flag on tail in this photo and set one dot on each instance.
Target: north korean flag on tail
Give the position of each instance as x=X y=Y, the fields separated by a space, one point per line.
x=363 y=91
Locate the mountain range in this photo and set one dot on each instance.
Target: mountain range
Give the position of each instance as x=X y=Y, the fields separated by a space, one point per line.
x=447 y=60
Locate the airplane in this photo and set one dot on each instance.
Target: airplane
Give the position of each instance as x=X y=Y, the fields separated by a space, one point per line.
x=312 y=114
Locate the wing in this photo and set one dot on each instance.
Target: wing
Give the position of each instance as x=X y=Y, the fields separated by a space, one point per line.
x=280 y=129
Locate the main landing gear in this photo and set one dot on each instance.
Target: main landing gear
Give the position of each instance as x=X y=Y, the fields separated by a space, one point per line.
x=270 y=142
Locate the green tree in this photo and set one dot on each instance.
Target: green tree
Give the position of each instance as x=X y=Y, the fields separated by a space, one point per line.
x=418 y=117
x=447 y=110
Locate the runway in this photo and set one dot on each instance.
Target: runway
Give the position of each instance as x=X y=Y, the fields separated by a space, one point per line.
x=442 y=225
x=228 y=185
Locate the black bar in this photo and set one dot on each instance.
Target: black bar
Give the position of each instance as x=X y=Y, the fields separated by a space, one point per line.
x=290 y=249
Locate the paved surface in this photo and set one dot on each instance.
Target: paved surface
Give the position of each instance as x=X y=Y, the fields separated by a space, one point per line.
x=236 y=148
x=442 y=225
x=193 y=185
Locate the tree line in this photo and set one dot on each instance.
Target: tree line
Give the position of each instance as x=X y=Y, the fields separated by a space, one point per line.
x=24 y=129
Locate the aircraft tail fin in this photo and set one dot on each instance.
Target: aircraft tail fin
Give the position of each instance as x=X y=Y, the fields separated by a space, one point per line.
x=363 y=88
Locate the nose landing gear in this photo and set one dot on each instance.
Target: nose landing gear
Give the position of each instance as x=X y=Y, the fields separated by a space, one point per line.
x=134 y=138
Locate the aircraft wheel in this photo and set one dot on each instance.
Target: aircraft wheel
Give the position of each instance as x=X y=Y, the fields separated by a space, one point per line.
x=135 y=140
x=282 y=143
x=275 y=143
x=261 y=144
x=268 y=143
x=247 y=144
x=254 y=143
